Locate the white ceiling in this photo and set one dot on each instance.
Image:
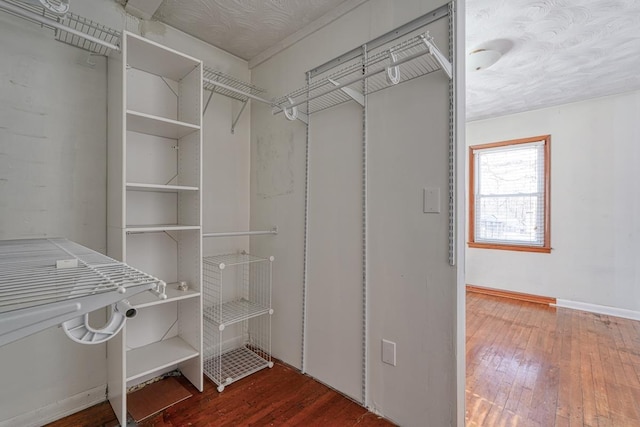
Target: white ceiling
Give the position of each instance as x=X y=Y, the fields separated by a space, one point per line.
x=557 y=51
x=244 y=28
x=554 y=51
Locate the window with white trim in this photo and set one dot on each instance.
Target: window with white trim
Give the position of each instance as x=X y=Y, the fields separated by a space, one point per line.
x=509 y=195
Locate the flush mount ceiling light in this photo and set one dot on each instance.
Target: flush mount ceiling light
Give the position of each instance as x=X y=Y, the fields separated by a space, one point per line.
x=480 y=59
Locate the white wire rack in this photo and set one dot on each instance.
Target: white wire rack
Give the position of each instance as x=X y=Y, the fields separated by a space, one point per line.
x=44 y=282
x=237 y=316
x=412 y=58
x=71 y=29
x=224 y=84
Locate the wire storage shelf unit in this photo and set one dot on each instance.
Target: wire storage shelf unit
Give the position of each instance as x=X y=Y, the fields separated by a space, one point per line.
x=237 y=316
x=404 y=61
x=44 y=282
x=70 y=28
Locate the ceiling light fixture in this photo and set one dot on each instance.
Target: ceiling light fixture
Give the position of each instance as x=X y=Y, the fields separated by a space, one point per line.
x=480 y=59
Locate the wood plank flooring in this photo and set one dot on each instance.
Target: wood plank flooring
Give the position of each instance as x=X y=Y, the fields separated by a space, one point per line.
x=534 y=365
x=280 y=396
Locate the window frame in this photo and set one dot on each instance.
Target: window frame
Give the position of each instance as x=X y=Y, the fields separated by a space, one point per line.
x=546 y=247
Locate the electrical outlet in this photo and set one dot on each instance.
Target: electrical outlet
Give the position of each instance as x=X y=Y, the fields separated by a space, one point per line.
x=431 y=200
x=389 y=352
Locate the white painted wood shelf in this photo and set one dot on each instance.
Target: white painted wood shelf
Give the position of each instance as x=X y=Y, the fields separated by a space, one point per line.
x=154 y=213
x=158 y=126
x=153 y=357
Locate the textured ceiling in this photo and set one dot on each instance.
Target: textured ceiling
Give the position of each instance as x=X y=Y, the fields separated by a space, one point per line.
x=555 y=51
x=244 y=28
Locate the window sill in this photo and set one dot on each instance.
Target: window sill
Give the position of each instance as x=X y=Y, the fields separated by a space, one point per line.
x=518 y=248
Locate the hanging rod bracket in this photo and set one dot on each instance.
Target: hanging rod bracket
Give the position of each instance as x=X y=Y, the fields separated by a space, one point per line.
x=437 y=55
x=351 y=93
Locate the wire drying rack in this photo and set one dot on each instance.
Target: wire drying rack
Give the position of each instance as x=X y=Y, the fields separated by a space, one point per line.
x=70 y=29
x=410 y=59
x=45 y=282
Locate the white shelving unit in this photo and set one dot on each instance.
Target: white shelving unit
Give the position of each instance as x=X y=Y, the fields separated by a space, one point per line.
x=154 y=210
x=237 y=316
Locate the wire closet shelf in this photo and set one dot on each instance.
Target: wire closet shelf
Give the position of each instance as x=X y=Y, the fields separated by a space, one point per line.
x=410 y=59
x=70 y=29
x=224 y=84
x=45 y=282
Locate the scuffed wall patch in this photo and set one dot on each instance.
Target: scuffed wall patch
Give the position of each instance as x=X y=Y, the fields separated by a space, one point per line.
x=275 y=170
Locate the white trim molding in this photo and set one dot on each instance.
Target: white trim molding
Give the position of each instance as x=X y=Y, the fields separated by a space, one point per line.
x=59 y=409
x=600 y=309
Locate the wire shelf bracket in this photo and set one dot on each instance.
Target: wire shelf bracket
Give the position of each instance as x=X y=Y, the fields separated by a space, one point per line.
x=46 y=282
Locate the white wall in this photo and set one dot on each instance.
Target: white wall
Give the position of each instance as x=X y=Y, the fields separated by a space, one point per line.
x=53 y=183
x=412 y=287
x=595 y=205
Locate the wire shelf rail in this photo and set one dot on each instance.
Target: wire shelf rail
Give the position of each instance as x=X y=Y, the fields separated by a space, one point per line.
x=70 y=29
x=224 y=84
x=44 y=282
x=402 y=62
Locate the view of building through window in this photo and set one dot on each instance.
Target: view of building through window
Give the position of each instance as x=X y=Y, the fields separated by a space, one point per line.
x=509 y=190
x=509 y=193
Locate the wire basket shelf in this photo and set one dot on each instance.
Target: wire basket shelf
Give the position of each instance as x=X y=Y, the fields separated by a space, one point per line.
x=30 y=278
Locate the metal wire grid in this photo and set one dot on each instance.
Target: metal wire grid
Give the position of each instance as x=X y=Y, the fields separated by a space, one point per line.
x=29 y=276
x=237 y=324
x=237 y=287
x=225 y=367
x=413 y=50
x=75 y=22
x=91 y=28
x=211 y=74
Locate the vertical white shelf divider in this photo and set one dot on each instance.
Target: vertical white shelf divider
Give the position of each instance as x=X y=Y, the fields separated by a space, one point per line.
x=155 y=209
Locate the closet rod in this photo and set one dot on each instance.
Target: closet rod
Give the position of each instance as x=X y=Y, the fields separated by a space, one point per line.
x=238 y=91
x=351 y=81
x=23 y=13
x=274 y=230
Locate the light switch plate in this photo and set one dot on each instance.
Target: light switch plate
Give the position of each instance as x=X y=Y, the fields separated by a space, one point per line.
x=431 y=200
x=389 y=352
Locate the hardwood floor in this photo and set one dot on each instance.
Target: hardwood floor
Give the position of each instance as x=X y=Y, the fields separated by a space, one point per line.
x=534 y=365
x=280 y=396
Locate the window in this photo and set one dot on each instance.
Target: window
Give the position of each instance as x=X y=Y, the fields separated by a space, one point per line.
x=509 y=195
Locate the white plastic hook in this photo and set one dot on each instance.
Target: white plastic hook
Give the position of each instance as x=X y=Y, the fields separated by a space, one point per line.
x=393 y=71
x=294 y=111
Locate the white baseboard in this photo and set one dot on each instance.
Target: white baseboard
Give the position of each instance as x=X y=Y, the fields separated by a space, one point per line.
x=600 y=309
x=59 y=409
